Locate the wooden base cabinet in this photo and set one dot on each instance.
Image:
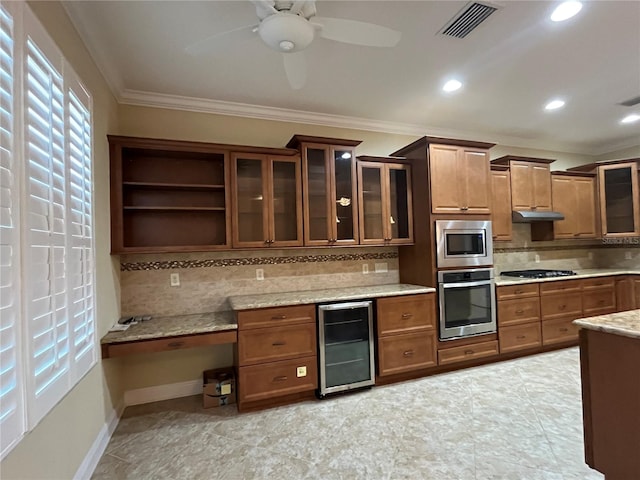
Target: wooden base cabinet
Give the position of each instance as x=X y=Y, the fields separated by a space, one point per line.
x=406 y=333
x=276 y=355
x=518 y=317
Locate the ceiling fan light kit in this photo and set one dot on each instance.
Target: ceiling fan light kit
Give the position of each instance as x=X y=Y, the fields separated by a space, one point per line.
x=286 y=32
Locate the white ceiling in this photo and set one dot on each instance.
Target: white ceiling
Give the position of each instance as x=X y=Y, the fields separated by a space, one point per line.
x=511 y=65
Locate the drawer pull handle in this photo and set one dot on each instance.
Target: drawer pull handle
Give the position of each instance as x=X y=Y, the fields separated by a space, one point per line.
x=278 y=344
x=521 y=337
x=175 y=344
x=406 y=316
x=464 y=209
x=518 y=292
x=562 y=307
x=564 y=329
x=519 y=312
x=278 y=317
x=469 y=352
x=601 y=302
x=280 y=378
x=408 y=353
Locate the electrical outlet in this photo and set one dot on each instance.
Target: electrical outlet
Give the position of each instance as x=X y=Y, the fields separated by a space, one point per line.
x=381 y=267
x=627 y=255
x=590 y=255
x=259 y=274
x=301 y=371
x=537 y=258
x=365 y=268
x=175 y=279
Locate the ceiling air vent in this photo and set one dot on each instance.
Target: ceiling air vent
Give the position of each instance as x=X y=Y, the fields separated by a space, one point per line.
x=467 y=20
x=631 y=102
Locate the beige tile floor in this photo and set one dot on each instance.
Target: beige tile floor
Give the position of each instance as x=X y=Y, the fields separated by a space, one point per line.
x=516 y=420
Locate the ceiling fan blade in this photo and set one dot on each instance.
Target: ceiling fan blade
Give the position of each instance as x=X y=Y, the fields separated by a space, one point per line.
x=295 y=66
x=220 y=40
x=264 y=8
x=306 y=8
x=357 y=33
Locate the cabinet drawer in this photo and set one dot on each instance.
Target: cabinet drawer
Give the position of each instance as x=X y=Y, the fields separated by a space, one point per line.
x=559 y=331
x=599 y=302
x=260 y=382
x=512 y=312
x=467 y=352
x=517 y=291
x=276 y=317
x=403 y=353
x=560 y=286
x=598 y=282
x=556 y=306
x=405 y=314
x=519 y=337
x=259 y=345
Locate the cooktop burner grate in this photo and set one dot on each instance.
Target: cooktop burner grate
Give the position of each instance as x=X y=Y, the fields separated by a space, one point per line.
x=540 y=273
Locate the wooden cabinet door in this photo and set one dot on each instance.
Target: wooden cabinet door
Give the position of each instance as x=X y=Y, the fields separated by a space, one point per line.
x=521 y=185
x=636 y=291
x=444 y=179
x=624 y=294
x=475 y=180
x=284 y=202
x=501 y=206
x=541 y=187
x=400 y=201
x=249 y=174
x=586 y=224
x=565 y=201
x=619 y=199
x=372 y=203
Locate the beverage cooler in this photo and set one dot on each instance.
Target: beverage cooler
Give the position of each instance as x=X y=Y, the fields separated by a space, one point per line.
x=345 y=333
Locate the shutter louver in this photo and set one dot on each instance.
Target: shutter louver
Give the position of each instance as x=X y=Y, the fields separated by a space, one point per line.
x=12 y=421
x=46 y=295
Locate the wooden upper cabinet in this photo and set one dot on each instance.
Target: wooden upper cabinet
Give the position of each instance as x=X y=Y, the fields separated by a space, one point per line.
x=574 y=196
x=168 y=196
x=530 y=185
x=329 y=186
x=501 y=206
x=460 y=179
x=385 y=202
x=267 y=200
x=619 y=199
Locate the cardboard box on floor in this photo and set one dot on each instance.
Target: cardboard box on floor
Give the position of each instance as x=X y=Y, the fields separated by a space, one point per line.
x=219 y=387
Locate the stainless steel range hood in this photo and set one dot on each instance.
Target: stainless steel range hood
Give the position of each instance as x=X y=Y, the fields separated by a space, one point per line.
x=529 y=216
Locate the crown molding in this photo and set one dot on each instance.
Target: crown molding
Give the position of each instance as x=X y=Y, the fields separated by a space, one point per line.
x=220 y=107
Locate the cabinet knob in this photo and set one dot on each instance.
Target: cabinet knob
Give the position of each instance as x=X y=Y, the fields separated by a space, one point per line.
x=520 y=337
x=406 y=316
x=562 y=307
x=280 y=378
x=464 y=209
x=278 y=317
x=278 y=344
x=518 y=292
x=469 y=352
x=519 y=312
x=408 y=353
x=564 y=329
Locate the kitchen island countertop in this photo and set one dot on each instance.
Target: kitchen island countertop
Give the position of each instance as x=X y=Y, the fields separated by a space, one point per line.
x=626 y=323
x=279 y=299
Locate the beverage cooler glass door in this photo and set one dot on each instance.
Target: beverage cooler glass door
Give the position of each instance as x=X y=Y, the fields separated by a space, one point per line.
x=346 y=346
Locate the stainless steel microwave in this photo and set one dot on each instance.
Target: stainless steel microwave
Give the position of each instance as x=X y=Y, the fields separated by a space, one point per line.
x=464 y=243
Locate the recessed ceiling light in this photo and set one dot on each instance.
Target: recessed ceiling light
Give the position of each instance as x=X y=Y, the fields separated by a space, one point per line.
x=566 y=10
x=634 y=117
x=452 y=86
x=554 y=105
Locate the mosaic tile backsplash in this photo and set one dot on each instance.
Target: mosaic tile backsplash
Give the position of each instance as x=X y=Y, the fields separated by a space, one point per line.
x=207 y=279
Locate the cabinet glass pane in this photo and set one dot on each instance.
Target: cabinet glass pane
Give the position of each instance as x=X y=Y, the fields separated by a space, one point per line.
x=317 y=194
x=344 y=192
x=250 y=201
x=399 y=210
x=285 y=217
x=618 y=198
x=372 y=203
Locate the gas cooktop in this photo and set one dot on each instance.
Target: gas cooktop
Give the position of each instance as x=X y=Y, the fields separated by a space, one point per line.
x=538 y=273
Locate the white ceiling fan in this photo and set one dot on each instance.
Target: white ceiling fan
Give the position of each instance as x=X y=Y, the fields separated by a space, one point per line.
x=290 y=26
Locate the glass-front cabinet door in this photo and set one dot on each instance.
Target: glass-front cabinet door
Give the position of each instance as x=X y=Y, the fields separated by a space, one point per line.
x=266 y=207
x=620 y=199
x=329 y=175
x=385 y=202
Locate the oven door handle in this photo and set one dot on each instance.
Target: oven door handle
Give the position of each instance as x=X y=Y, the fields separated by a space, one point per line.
x=466 y=284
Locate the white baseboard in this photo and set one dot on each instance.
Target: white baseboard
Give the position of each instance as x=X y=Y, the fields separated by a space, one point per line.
x=162 y=392
x=99 y=445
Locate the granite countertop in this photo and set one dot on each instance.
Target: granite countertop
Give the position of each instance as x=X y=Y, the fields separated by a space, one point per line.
x=586 y=273
x=248 y=302
x=159 y=327
x=622 y=323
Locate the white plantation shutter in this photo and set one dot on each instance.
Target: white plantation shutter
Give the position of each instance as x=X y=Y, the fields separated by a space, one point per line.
x=12 y=421
x=80 y=264
x=45 y=276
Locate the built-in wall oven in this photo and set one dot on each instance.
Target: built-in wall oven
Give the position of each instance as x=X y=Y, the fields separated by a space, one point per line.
x=464 y=243
x=467 y=302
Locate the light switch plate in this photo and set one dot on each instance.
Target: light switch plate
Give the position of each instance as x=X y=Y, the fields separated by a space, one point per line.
x=175 y=279
x=259 y=274
x=365 y=268
x=301 y=371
